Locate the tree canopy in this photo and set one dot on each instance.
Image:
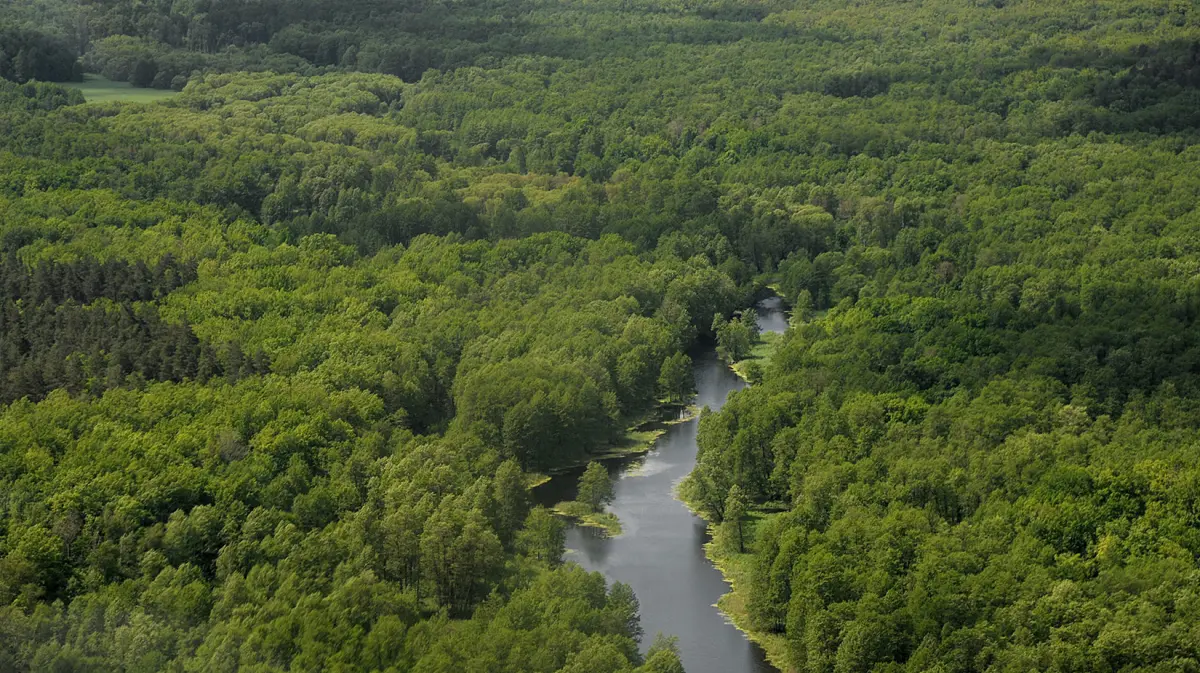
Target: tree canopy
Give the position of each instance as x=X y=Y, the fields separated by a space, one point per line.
x=279 y=355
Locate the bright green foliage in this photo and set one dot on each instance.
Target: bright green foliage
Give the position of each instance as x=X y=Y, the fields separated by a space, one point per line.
x=565 y=620
x=543 y=537
x=595 y=487
x=676 y=382
x=732 y=531
x=735 y=338
x=223 y=513
x=663 y=655
x=407 y=253
x=460 y=554
x=990 y=461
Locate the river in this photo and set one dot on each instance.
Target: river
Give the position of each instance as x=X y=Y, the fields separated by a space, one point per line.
x=660 y=552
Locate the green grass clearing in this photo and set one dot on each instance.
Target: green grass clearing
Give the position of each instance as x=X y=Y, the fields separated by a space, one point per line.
x=97 y=89
x=736 y=569
x=762 y=351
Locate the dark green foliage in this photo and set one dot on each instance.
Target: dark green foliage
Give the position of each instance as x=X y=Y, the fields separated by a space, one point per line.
x=27 y=55
x=88 y=279
x=87 y=326
x=733 y=529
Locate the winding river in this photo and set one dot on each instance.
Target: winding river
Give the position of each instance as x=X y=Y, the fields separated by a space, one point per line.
x=661 y=551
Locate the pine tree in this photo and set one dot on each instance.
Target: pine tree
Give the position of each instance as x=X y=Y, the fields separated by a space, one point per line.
x=732 y=528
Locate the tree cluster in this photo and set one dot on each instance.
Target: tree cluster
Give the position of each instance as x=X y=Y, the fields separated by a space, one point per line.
x=27 y=55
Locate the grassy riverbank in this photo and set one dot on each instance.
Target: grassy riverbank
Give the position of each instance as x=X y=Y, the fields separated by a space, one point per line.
x=736 y=569
x=762 y=351
x=584 y=516
x=641 y=435
x=637 y=439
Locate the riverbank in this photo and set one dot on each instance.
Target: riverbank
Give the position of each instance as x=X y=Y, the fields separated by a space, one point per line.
x=773 y=321
x=660 y=552
x=736 y=569
x=583 y=516
x=763 y=350
x=638 y=439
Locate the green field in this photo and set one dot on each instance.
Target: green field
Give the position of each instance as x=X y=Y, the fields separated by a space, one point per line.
x=97 y=89
x=762 y=351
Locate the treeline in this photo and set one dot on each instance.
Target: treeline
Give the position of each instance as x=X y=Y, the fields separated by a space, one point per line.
x=88 y=279
x=215 y=517
x=91 y=349
x=145 y=63
x=366 y=478
x=31 y=96
x=26 y=55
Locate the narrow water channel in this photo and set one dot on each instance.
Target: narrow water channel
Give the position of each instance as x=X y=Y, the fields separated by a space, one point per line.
x=661 y=551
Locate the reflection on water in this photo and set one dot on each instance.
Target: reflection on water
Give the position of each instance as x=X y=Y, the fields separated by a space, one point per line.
x=771 y=317
x=661 y=551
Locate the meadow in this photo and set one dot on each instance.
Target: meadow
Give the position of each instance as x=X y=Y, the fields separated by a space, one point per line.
x=100 y=89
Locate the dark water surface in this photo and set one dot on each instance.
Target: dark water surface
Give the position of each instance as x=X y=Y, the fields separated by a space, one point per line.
x=661 y=551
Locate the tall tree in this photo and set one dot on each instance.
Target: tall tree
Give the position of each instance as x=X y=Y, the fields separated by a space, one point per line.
x=732 y=527
x=595 y=487
x=543 y=537
x=675 y=380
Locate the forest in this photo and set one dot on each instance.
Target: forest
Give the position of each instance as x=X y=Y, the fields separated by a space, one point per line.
x=282 y=355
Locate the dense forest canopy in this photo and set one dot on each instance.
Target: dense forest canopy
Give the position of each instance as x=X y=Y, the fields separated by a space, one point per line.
x=280 y=355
